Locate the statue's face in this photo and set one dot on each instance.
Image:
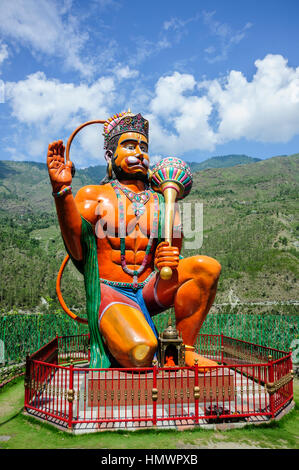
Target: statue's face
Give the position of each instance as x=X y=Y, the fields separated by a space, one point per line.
x=131 y=154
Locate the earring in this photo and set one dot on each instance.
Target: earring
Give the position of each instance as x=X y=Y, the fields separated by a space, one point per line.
x=110 y=169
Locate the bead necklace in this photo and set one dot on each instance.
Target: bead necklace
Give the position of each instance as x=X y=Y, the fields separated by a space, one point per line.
x=127 y=284
x=138 y=199
x=122 y=232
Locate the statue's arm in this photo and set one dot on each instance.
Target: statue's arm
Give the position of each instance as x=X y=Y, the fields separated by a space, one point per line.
x=69 y=209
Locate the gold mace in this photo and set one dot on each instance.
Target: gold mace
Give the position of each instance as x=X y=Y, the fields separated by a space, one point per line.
x=173 y=178
x=170 y=193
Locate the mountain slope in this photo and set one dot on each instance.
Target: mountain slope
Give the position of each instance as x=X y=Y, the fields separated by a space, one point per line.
x=29 y=181
x=223 y=162
x=251 y=225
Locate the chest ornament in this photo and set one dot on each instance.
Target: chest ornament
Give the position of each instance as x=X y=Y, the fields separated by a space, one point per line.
x=138 y=200
x=142 y=199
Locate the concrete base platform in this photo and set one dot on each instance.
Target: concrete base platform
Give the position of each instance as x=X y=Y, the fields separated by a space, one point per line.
x=236 y=395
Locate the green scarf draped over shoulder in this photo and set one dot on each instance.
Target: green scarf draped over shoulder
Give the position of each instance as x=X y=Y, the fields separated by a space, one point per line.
x=90 y=269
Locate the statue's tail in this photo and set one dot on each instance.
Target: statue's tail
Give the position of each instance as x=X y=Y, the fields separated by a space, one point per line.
x=59 y=294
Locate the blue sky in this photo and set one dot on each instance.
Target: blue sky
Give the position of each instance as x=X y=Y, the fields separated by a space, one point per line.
x=212 y=77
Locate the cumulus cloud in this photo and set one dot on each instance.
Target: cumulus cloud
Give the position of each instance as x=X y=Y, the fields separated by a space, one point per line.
x=47 y=27
x=50 y=109
x=38 y=100
x=185 y=114
x=177 y=105
x=264 y=109
x=189 y=115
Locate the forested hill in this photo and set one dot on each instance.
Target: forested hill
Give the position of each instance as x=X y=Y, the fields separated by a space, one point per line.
x=30 y=181
x=223 y=162
x=251 y=226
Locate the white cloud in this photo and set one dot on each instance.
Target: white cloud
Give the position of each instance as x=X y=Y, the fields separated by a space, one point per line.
x=51 y=109
x=264 y=109
x=3 y=57
x=47 y=27
x=189 y=115
x=170 y=93
x=177 y=105
x=3 y=52
x=38 y=100
x=184 y=114
x=154 y=159
x=123 y=72
x=148 y=48
x=226 y=36
x=179 y=24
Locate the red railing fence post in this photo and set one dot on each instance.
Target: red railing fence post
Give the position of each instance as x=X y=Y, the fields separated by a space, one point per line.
x=71 y=396
x=222 y=348
x=271 y=382
x=27 y=381
x=155 y=391
x=290 y=369
x=196 y=391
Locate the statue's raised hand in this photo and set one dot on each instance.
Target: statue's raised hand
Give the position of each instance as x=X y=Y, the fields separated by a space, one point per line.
x=60 y=172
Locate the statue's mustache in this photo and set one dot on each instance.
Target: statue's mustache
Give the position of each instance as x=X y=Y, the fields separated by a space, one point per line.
x=135 y=160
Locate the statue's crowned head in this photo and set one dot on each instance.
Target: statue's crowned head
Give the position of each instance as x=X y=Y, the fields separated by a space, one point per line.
x=121 y=123
x=126 y=145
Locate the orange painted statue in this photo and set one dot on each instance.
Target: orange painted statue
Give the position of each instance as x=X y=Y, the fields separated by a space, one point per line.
x=112 y=233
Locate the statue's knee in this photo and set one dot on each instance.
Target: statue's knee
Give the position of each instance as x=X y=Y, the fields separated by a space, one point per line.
x=143 y=352
x=215 y=268
x=208 y=267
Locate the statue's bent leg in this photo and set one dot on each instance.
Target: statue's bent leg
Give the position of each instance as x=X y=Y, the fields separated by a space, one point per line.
x=127 y=334
x=198 y=278
x=192 y=292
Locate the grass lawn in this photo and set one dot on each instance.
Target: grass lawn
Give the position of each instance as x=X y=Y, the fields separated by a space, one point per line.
x=21 y=432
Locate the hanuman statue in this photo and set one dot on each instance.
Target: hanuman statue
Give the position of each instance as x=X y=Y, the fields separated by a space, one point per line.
x=112 y=232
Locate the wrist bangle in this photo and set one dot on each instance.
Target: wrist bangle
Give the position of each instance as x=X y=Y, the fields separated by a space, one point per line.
x=67 y=189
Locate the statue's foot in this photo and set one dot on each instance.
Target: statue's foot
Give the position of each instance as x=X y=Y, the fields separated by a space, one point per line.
x=204 y=364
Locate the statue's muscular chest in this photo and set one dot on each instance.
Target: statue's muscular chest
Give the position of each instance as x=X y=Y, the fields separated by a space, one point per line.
x=116 y=219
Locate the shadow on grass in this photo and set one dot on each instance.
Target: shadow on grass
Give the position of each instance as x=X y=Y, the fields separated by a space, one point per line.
x=12 y=417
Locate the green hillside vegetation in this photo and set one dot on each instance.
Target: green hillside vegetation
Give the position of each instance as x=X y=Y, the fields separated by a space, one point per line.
x=28 y=182
x=223 y=162
x=25 y=186
x=250 y=225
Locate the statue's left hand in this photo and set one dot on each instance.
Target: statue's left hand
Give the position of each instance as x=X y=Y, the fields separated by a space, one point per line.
x=167 y=256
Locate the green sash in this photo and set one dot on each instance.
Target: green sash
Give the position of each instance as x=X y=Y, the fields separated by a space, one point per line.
x=98 y=355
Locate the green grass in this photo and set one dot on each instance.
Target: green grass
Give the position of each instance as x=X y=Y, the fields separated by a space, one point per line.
x=27 y=433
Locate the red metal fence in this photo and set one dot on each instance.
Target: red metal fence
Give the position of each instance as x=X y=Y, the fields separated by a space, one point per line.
x=249 y=383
